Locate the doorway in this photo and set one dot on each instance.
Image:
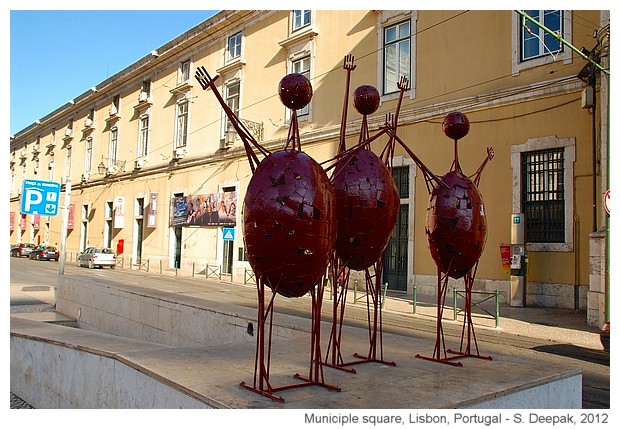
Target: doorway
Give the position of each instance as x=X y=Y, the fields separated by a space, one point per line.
x=395 y=262
x=227 y=263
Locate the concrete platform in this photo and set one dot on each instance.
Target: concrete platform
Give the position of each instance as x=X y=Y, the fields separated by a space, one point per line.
x=48 y=361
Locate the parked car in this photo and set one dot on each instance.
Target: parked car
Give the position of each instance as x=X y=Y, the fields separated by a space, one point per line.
x=97 y=257
x=22 y=249
x=605 y=337
x=47 y=253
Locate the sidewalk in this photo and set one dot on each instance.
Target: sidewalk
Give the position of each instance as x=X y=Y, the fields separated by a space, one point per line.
x=552 y=324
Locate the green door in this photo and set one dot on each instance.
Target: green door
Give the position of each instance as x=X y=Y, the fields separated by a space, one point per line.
x=395 y=259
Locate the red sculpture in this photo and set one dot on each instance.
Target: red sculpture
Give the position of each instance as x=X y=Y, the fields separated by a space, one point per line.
x=367 y=204
x=456 y=232
x=289 y=229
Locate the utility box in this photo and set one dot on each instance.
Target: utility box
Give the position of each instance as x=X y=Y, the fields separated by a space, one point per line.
x=587 y=97
x=518 y=261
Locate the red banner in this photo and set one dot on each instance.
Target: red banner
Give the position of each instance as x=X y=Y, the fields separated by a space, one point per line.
x=505 y=252
x=36 y=221
x=70 y=217
x=12 y=221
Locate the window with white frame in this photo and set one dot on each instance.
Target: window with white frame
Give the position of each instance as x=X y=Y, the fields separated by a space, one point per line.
x=234 y=47
x=182 y=123
x=68 y=163
x=302 y=66
x=232 y=101
x=532 y=46
x=143 y=137
x=301 y=18
x=184 y=71
x=88 y=155
x=535 y=42
x=396 y=55
x=543 y=169
x=113 y=148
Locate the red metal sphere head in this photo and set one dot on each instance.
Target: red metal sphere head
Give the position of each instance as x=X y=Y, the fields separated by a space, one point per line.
x=295 y=91
x=455 y=125
x=366 y=99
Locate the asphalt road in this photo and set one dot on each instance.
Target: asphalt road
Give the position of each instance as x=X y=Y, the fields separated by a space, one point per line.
x=32 y=289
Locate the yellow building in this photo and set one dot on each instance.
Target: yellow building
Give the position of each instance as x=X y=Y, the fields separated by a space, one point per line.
x=143 y=146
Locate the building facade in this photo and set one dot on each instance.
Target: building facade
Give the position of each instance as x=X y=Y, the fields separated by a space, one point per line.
x=156 y=174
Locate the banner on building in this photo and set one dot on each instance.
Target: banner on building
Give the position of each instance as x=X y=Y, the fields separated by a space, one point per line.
x=204 y=210
x=152 y=210
x=12 y=221
x=36 y=221
x=22 y=222
x=119 y=212
x=70 y=217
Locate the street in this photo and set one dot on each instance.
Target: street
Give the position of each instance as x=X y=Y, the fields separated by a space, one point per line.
x=32 y=290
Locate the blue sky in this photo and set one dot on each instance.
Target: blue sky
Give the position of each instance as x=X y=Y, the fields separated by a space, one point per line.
x=56 y=55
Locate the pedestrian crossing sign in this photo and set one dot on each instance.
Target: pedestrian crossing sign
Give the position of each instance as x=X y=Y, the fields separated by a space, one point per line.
x=229 y=234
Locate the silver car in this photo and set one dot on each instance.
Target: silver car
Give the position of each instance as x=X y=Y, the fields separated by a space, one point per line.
x=97 y=257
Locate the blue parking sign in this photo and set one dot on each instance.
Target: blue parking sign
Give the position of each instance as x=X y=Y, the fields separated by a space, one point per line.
x=40 y=197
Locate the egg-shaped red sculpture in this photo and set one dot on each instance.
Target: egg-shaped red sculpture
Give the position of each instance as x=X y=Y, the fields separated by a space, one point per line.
x=289 y=222
x=367 y=203
x=456 y=225
x=366 y=99
x=295 y=91
x=455 y=125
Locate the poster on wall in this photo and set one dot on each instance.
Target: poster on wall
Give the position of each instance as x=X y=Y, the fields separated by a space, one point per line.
x=70 y=217
x=119 y=212
x=152 y=211
x=204 y=210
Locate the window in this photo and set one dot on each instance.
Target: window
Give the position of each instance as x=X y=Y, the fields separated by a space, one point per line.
x=543 y=174
x=143 y=138
x=542 y=201
x=139 y=208
x=302 y=66
x=401 y=179
x=184 y=71
x=115 y=108
x=396 y=55
x=232 y=101
x=301 y=18
x=68 y=163
x=234 y=46
x=539 y=48
x=146 y=87
x=113 y=149
x=181 y=126
x=535 y=42
x=88 y=160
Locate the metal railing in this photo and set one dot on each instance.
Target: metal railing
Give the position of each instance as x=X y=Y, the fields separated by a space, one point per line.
x=486 y=296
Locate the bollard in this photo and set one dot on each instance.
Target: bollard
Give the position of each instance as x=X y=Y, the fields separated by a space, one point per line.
x=497 y=308
x=193 y=266
x=454 y=299
x=415 y=298
x=385 y=287
x=160 y=266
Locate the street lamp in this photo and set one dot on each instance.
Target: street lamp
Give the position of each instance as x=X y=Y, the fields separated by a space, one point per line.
x=101 y=168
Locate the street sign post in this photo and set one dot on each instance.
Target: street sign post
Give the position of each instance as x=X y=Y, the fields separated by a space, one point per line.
x=40 y=197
